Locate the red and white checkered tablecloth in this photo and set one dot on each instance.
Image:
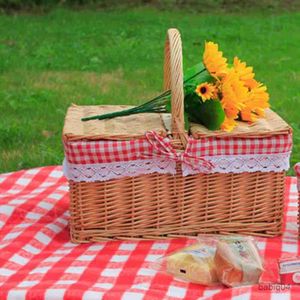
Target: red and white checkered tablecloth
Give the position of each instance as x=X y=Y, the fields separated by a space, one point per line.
x=37 y=260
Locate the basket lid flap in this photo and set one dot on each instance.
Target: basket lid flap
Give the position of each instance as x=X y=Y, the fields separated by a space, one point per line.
x=271 y=125
x=120 y=128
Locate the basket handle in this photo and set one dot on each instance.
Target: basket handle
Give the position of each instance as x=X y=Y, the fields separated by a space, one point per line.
x=173 y=80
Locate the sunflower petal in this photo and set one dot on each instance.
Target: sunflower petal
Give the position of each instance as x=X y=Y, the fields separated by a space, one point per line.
x=214 y=61
x=228 y=124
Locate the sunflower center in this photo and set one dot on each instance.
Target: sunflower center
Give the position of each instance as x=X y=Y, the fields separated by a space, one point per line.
x=203 y=90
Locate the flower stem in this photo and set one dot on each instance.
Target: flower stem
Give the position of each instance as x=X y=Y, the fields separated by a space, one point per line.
x=157 y=104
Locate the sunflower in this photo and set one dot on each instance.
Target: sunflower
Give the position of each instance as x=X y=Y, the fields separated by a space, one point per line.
x=255 y=104
x=245 y=73
x=248 y=115
x=206 y=91
x=214 y=61
x=228 y=124
x=234 y=93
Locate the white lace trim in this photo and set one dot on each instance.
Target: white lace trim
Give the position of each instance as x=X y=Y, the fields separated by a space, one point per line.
x=107 y=171
x=221 y=164
x=245 y=163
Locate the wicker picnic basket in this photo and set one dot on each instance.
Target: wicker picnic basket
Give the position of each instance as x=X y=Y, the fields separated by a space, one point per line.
x=148 y=205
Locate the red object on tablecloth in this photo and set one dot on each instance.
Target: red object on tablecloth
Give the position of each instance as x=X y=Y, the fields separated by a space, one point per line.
x=38 y=261
x=289 y=269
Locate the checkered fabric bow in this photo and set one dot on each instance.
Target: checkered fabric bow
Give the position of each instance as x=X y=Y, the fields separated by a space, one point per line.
x=165 y=149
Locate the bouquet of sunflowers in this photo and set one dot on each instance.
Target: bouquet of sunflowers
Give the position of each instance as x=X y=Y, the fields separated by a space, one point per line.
x=216 y=94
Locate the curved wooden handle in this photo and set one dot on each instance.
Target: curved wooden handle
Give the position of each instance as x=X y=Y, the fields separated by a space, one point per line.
x=173 y=80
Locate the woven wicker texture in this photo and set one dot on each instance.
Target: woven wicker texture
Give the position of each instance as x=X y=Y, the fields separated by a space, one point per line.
x=159 y=205
x=173 y=80
x=153 y=206
x=121 y=128
x=269 y=126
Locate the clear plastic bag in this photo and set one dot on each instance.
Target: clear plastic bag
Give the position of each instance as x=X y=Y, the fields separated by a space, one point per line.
x=230 y=260
x=238 y=261
x=194 y=263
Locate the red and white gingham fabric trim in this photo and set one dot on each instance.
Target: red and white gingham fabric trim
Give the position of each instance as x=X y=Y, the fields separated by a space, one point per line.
x=238 y=146
x=38 y=261
x=91 y=152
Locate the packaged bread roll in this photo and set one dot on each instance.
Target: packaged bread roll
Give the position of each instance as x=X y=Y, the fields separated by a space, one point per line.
x=194 y=264
x=237 y=261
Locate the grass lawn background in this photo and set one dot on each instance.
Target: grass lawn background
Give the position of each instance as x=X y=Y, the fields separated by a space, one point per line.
x=49 y=61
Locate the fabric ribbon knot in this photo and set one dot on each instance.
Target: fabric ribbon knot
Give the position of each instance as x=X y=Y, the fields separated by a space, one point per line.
x=165 y=149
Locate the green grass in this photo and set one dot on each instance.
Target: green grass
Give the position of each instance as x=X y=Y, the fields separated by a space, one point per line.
x=49 y=61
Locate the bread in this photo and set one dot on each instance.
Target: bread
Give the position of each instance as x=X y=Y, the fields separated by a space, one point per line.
x=194 y=264
x=238 y=261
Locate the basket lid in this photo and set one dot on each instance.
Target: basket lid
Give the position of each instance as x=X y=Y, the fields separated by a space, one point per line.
x=271 y=125
x=120 y=128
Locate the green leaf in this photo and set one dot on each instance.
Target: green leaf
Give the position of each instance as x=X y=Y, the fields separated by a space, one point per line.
x=186 y=122
x=203 y=77
x=191 y=81
x=213 y=114
x=168 y=107
x=190 y=72
x=209 y=113
x=189 y=89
